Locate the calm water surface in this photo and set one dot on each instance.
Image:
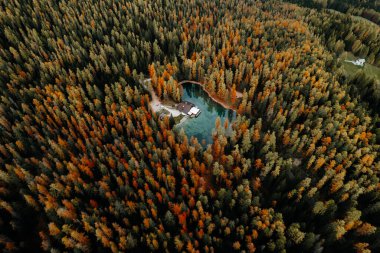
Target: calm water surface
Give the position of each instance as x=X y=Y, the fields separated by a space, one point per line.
x=203 y=126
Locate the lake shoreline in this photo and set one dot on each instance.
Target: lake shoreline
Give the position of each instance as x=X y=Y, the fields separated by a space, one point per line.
x=215 y=99
x=202 y=127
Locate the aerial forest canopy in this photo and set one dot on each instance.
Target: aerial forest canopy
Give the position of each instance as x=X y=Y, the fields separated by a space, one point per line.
x=368 y=9
x=87 y=166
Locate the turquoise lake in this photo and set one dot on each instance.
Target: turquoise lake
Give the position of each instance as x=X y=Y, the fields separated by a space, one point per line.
x=202 y=126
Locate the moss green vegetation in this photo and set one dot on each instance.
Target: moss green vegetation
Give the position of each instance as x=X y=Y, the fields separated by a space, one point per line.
x=351 y=69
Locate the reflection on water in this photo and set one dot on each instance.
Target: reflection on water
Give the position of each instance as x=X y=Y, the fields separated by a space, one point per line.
x=202 y=127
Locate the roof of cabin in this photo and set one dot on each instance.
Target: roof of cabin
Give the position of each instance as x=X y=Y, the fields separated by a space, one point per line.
x=185 y=106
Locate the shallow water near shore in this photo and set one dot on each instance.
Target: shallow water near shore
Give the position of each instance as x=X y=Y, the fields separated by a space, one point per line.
x=202 y=126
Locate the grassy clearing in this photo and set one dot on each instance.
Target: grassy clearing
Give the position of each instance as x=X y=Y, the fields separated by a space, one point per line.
x=169 y=102
x=351 y=69
x=166 y=112
x=178 y=118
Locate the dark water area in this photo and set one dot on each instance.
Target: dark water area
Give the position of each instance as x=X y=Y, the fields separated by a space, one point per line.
x=203 y=126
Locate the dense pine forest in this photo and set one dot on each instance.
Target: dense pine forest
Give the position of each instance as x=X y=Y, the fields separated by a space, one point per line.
x=86 y=165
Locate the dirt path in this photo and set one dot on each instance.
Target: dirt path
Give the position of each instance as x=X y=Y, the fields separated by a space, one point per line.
x=156 y=103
